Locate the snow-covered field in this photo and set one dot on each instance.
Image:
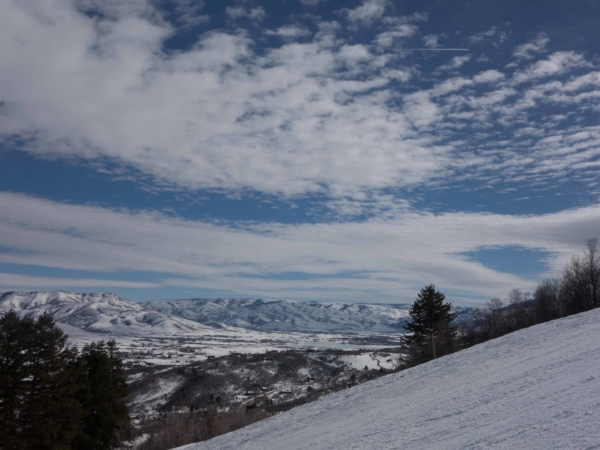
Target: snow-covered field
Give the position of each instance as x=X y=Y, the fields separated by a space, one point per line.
x=538 y=388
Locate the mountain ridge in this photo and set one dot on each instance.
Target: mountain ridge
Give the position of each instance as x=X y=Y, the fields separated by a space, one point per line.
x=290 y=315
x=107 y=312
x=102 y=312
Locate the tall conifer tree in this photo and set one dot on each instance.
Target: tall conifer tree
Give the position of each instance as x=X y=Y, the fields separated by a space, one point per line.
x=431 y=333
x=104 y=387
x=52 y=397
x=38 y=383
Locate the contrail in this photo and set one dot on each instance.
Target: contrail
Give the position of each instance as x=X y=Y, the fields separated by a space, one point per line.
x=435 y=49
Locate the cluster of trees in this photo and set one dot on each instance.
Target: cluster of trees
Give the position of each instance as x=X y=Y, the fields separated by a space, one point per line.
x=55 y=397
x=576 y=290
x=432 y=333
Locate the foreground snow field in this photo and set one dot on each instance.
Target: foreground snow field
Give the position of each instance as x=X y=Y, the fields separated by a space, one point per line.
x=538 y=388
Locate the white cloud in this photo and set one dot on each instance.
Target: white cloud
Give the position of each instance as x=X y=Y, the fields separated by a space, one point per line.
x=325 y=115
x=215 y=116
x=451 y=85
x=591 y=79
x=432 y=40
x=455 y=63
x=387 y=38
x=402 y=75
x=420 y=110
x=495 y=34
x=11 y=281
x=395 y=256
x=556 y=64
x=489 y=76
x=392 y=20
x=290 y=32
x=528 y=50
x=367 y=12
x=240 y=12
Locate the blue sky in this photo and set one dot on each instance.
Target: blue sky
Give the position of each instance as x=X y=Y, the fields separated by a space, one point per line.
x=302 y=149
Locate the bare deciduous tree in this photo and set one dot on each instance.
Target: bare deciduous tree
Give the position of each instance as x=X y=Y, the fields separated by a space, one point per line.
x=547 y=300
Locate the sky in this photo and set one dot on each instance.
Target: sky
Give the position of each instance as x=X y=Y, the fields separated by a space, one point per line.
x=326 y=150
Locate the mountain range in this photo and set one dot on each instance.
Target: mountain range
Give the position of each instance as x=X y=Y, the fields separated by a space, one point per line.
x=106 y=312
x=97 y=312
x=287 y=315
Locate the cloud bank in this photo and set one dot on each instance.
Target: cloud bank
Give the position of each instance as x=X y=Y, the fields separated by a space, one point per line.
x=295 y=110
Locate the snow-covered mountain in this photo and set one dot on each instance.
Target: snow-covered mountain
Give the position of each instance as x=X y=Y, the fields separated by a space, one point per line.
x=286 y=315
x=538 y=388
x=105 y=312
x=97 y=312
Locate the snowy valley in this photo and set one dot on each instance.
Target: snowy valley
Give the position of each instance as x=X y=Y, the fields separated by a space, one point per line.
x=180 y=355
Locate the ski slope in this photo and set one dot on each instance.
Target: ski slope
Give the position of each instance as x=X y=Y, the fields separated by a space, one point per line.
x=538 y=388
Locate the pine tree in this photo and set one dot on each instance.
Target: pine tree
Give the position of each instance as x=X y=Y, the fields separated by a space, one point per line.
x=104 y=387
x=38 y=383
x=431 y=333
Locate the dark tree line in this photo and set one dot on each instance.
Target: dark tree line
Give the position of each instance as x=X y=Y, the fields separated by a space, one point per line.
x=55 y=397
x=431 y=333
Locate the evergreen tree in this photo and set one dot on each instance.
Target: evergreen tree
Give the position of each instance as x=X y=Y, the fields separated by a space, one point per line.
x=52 y=397
x=38 y=383
x=431 y=333
x=104 y=387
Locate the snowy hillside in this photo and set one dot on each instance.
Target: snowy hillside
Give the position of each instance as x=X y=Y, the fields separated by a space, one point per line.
x=97 y=312
x=538 y=388
x=286 y=315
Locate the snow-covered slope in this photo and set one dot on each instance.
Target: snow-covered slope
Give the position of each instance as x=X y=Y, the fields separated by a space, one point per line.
x=538 y=388
x=97 y=312
x=286 y=315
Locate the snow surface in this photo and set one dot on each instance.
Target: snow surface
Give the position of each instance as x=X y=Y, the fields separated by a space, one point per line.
x=359 y=362
x=538 y=388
